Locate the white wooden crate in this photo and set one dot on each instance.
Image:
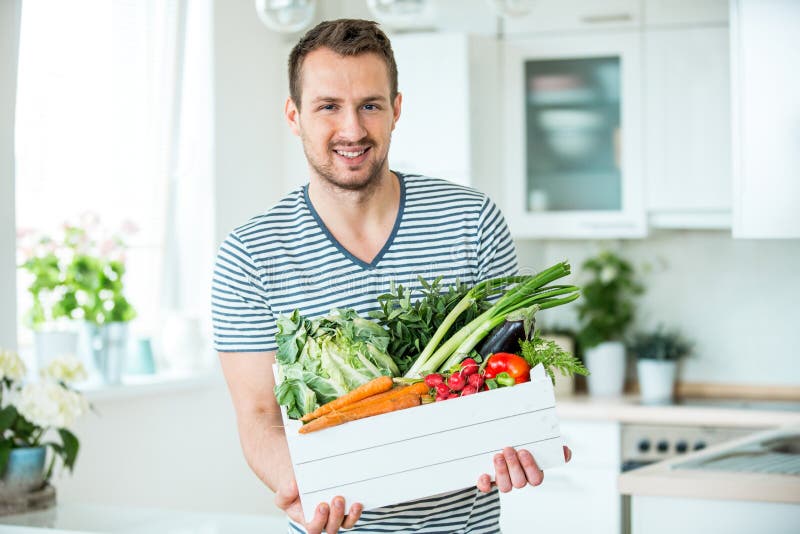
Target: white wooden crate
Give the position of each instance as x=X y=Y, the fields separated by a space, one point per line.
x=425 y=450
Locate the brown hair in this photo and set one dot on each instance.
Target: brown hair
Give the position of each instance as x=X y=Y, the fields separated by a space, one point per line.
x=346 y=37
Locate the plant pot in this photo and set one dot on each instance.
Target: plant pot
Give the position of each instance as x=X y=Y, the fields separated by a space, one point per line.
x=606 y=364
x=24 y=472
x=656 y=380
x=51 y=345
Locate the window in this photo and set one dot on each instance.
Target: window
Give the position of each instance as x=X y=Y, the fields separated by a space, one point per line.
x=113 y=121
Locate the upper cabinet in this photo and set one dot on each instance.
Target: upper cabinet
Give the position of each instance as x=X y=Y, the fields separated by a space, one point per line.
x=568 y=15
x=687 y=150
x=766 y=118
x=573 y=130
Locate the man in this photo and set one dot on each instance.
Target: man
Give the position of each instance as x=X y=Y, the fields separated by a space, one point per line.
x=337 y=243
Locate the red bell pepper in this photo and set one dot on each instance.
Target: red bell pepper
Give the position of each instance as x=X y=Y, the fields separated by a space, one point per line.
x=503 y=362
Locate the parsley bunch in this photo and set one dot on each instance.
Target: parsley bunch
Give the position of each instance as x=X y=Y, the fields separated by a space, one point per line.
x=551 y=356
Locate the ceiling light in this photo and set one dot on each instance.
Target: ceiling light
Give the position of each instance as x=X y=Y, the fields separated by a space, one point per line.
x=286 y=16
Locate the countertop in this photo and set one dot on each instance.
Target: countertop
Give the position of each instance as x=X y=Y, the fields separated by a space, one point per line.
x=668 y=479
x=628 y=409
x=84 y=518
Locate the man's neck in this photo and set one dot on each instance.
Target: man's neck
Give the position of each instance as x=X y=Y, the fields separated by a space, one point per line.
x=361 y=221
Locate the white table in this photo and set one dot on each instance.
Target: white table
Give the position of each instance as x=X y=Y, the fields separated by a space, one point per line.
x=70 y=518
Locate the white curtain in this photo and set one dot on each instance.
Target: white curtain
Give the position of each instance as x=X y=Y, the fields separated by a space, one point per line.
x=9 y=48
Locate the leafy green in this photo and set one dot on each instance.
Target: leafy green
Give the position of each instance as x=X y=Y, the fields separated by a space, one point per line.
x=411 y=324
x=324 y=358
x=551 y=356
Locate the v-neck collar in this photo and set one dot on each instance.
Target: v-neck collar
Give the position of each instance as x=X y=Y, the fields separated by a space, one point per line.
x=361 y=263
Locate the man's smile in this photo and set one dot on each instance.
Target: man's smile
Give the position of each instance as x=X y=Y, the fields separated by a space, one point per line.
x=352 y=154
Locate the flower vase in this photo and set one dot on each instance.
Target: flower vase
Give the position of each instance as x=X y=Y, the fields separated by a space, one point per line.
x=606 y=364
x=108 y=345
x=24 y=472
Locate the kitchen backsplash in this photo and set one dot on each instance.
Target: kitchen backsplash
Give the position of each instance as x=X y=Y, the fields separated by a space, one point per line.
x=736 y=299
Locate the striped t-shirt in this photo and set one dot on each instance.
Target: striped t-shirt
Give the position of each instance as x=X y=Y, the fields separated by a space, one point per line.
x=286 y=259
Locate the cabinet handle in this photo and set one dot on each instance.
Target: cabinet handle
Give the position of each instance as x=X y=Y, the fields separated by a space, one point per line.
x=609 y=225
x=604 y=19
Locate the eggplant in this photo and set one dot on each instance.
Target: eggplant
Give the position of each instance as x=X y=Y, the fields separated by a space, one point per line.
x=506 y=337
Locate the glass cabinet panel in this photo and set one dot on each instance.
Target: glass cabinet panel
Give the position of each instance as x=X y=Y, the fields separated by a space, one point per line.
x=572 y=134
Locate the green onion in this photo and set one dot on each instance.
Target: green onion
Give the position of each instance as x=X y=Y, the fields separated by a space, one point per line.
x=529 y=291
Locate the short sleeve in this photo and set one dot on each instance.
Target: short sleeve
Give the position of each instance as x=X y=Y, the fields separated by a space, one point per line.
x=497 y=255
x=241 y=316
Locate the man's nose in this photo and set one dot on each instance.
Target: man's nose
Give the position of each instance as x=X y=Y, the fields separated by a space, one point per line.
x=352 y=127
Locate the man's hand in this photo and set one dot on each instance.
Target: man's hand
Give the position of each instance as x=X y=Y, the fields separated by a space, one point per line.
x=515 y=469
x=328 y=518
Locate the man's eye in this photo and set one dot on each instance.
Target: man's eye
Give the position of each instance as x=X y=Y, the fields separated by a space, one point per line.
x=328 y=107
x=371 y=107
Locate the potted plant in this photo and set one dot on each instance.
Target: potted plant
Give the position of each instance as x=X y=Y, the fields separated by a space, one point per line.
x=657 y=354
x=35 y=417
x=605 y=312
x=79 y=278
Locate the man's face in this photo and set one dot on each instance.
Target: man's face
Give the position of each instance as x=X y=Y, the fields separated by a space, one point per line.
x=347 y=117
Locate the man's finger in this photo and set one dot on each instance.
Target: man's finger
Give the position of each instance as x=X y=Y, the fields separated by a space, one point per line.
x=353 y=516
x=567 y=454
x=515 y=470
x=533 y=474
x=317 y=524
x=484 y=483
x=336 y=515
x=501 y=476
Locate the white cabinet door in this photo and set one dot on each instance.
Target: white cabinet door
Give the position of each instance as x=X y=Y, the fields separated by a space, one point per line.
x=573 y=136
x=568 y=500
x=561 y=15
x=766 y=118
x=687 y=127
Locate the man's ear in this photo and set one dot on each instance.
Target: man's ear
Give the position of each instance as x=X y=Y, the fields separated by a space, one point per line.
x=398 y=103
x=292 y=115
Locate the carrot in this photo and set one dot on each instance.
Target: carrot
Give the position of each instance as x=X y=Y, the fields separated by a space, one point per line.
x=369 y=409
x=417 y=388
x=373 y=387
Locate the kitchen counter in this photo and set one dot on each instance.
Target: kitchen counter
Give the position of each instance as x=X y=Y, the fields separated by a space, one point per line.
x=628 y=409
x=72 y=518
x=671 y=478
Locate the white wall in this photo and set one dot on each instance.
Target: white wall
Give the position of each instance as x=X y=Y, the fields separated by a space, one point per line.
x=176 y=450
x=735 y=298
x=9 y=44
x=249 y=69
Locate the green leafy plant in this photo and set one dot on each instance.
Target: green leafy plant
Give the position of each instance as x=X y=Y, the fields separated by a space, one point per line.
x=607 y=308
x=39 y=413
x=660 y=345
x=551 y=356
x=76 y=277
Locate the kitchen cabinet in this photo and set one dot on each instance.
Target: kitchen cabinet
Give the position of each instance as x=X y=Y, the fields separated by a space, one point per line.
x=573 y=136
x=687 y=127
x=575 y=15
x=587 y=484
x=449 y=123
x=766 y=114
x=684 y=12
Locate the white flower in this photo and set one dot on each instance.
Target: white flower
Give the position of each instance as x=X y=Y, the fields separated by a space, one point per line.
x=11 y=365
x=608 y=274
x=66 y=370
x=50 y=405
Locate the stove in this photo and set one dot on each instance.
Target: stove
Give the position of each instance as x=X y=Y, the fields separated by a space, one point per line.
x=646 y=444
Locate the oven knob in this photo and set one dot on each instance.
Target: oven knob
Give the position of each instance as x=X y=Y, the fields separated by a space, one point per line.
x=663 y=446
x=699 y=445
x=644 y=445
x=681 y=447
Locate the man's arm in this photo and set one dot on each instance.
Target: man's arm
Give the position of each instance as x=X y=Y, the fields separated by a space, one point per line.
x=258 y=418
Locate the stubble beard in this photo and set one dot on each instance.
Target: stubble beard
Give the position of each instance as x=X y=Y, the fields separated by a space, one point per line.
x=326 y=172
